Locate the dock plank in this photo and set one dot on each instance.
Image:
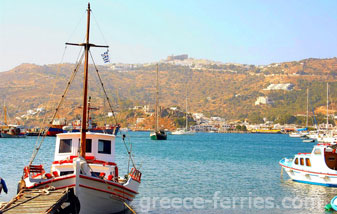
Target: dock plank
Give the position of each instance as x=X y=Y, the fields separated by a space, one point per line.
x=41 y=201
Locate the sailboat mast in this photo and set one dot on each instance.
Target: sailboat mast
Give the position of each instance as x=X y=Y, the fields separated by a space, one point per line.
x=157 y=97
x=5 y=114
x=327 y=106
x=85 y=89
x=307 y=107
x=186 y=112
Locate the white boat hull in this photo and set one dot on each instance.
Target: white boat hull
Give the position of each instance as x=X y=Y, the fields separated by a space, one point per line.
x=96 y=195
x=308 y=177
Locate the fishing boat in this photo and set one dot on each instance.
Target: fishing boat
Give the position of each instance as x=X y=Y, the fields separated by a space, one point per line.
x=157 y=134
x=92 y=127
x=56 y=127
x=85 y=160
x=318 y=167
x=11 y=131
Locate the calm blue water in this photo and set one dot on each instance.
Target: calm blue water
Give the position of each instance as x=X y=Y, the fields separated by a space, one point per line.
x=201 y=173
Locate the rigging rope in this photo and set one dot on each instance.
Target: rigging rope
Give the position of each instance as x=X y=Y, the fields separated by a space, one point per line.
x=48 y=103
x=106 y=95
x=99 y=27
x=36 y=150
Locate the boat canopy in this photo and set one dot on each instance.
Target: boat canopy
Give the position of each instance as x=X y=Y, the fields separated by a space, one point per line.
x=99 y=146
x=302 y=129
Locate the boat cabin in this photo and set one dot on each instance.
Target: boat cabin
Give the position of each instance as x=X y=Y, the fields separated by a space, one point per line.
x=98 y=145
x=100 y=154
x=323 y=157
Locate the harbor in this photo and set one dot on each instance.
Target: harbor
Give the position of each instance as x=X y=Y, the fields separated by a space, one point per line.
x=240 y=118
x=218 y=159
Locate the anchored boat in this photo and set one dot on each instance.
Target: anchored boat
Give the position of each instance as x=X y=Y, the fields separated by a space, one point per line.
x=86 y=161
x=158 y=134
x=318 y=167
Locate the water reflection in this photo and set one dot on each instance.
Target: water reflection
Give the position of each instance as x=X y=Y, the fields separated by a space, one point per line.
x=307 y=197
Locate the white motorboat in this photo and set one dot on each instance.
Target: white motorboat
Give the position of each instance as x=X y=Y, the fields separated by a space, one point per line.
x=318 y=167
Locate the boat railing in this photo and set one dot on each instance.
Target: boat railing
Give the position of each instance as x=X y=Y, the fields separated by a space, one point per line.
x=135 y=174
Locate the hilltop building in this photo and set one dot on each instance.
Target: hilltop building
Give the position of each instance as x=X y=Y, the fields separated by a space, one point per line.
x=263 y=100
x=285 y=87
x=177 y=57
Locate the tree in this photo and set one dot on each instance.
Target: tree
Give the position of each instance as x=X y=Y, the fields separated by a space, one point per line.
x=255 y=118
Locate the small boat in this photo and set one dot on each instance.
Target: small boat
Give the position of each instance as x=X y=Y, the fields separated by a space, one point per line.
x=334 y=203
x=318 y=167
x=157 y=134
x=56 y=127
x=13 y=131
x=184 y=131
x=297 y=134
x=308 y=140
x=33 y=132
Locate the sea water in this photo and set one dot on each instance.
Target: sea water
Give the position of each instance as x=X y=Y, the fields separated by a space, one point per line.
x=200 y=173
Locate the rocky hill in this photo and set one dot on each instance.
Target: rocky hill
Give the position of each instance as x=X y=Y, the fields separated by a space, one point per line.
x=226 y=90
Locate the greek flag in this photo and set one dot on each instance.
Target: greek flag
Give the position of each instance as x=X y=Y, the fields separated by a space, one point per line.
x=105 y=56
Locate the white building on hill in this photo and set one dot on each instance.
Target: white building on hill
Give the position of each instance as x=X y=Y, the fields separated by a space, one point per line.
x=263 y=100
x=286 y=87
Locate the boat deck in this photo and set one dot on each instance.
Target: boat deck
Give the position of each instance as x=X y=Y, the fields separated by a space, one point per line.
x=35 y=201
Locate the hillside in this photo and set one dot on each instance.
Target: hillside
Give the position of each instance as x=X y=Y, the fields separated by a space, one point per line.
x=226 y=90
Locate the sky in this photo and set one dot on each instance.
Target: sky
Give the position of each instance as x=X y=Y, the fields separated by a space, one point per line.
x=237 y=31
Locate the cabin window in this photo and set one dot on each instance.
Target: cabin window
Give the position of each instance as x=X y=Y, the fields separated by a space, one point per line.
x=65 y=146
x=104 y=146
x=296 y=161
x=307 y=162
x=88 y=145
x=317 y=152
x=302 y=161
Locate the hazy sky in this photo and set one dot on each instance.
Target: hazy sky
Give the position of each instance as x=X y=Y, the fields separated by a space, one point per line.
x=251 y=32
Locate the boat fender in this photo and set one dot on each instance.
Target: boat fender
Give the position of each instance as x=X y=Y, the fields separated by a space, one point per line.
x=3 y=186
x=110 y=177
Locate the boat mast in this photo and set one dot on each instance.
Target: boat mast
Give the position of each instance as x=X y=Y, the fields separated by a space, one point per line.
x=5 y=114
x=85 y=88
x=186 y=112
x=87 y=46
x=327 y=106
x=307 y=107
x=157 y=97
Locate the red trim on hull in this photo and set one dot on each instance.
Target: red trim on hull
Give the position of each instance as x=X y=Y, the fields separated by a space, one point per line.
x=123 y=192
x=108 y=182
x=51 y=181
x=72 y=185
x=105 y=192
x=308 y=171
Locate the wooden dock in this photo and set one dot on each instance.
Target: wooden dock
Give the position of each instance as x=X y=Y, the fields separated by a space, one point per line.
x=37 y=201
